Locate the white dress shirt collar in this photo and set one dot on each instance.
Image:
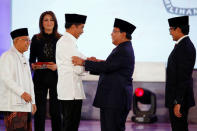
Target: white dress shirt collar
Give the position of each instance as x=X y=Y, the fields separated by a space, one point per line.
x=178 y=41
x=20 y=55
x=70 y=35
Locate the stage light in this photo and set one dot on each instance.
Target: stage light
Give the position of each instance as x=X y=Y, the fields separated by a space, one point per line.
x=147 y=99
x=139 y=92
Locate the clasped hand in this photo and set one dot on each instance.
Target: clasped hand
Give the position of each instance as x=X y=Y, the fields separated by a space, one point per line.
x=79 y=61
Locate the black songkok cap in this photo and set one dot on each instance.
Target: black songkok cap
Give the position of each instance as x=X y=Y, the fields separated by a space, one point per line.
x=19 y=32
x=178 y=21
x=75 y=18
x=124 y=26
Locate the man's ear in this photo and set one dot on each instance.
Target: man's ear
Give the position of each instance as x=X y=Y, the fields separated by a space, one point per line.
x=178 y=29
x=73 y=26
x=124 y=34
x=14 y=41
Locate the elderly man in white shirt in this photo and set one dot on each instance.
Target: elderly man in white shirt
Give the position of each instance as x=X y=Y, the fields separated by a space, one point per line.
x=16 y=86
x=69 y=88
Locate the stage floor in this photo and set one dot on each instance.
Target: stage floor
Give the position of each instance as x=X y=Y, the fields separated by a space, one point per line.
x=130 y=126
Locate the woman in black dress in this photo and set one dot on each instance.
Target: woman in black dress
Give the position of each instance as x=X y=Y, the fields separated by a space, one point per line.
x=45 y=77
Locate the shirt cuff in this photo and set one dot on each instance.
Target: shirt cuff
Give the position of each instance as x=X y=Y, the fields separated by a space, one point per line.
x=20 y=92
x=84 y=63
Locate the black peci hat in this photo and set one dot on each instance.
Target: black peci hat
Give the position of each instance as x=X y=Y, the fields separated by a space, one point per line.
x=75 y=18
x=19 y=32
x=178 y=21
x=124 y=26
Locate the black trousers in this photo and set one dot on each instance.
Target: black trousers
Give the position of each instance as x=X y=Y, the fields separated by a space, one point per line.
x=113 y=119
x=19 y=129
x=179 y=124
x=71 y=110
x=41 y=89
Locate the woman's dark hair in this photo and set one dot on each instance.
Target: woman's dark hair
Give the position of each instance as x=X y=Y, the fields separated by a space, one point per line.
x=55 y=32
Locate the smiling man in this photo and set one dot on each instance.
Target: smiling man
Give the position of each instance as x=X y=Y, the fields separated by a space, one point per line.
x=16 y=92
x=179 y=95
x=69 y=88
x=115 y=87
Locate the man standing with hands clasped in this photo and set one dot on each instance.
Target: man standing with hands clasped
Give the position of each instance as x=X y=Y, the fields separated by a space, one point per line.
x=16 y=92
x=114 y=92
x=179 y=96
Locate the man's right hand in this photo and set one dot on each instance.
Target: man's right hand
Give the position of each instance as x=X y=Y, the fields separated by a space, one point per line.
x=94 y=59
x=177 y=109
x=26 y=97
x=91 y=58
x=77 y=61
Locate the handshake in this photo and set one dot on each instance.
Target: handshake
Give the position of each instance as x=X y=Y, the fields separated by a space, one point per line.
x=80 y=62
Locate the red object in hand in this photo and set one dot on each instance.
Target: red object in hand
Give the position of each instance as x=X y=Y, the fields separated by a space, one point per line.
x=139 y=92
x=43 y=63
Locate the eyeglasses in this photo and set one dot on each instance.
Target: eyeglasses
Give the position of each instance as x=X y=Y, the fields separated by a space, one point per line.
x=172 y=28
x=114 y=31
x=26 y=40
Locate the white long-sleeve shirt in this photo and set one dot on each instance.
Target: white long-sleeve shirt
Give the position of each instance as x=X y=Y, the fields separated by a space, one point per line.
x=69 y=86
x=15 y=79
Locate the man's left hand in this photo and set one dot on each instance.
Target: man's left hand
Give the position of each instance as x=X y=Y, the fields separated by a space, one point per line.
x=177 y=108
x=77 y=61
x=34 y=109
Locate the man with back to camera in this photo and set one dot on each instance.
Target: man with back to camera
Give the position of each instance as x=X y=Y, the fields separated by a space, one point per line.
x=114 y=92
x=16 y=92
x=179 y=96
x=69 y=87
